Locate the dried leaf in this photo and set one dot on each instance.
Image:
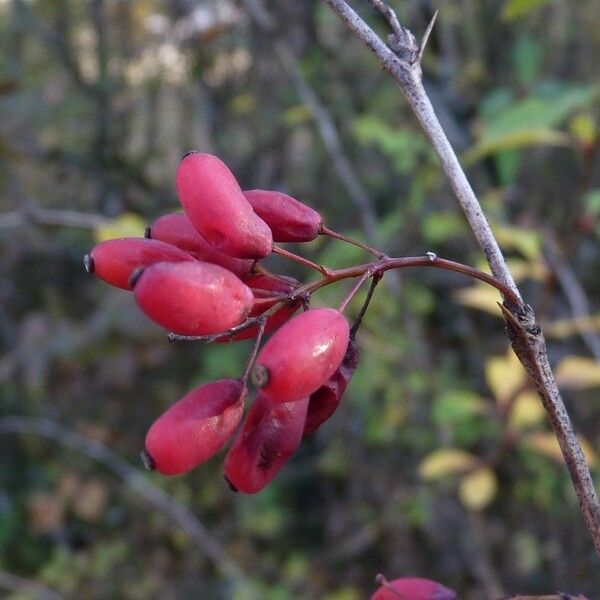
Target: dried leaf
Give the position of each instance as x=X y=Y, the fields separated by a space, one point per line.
x=578 y=373
x=447 y=461
x=477 y=489
x=546 y=443
x=480 y=296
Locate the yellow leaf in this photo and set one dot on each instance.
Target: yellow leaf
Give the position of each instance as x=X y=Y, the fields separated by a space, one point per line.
x=477 y=489
x=505 y=376
x=480 y=296
x=526 y=411
x=564 y=328
x=447 y=461
x=125 y=225
x=525 y=241
x=578 y=373
x=584 y=128
x=546 y=443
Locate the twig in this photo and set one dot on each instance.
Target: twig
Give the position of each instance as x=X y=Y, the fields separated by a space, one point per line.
x=17 y=584
x=48 y=216
x=524 y=332
x=133 y=479
x=572 y=290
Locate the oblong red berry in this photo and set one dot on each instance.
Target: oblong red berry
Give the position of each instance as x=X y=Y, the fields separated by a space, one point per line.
x=302 y=355
x=193 y=298
x=289 y=219
x=324 y=402
x=414 y=588
x=269 y=284
x=269 y=436
x=195 y=427
x=214 y=203
x=177 y=229
x=114 y=261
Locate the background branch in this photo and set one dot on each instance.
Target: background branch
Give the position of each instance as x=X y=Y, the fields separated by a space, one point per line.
x=134 y=480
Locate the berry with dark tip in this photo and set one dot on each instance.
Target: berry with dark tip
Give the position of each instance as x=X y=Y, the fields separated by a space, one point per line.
x=193 y=298
x=114 y=261
x=289 y=219
x=302 y=355
x=214 y=203
x=196 y=427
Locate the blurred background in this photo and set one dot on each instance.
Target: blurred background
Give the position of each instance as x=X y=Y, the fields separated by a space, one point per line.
x=439 y=462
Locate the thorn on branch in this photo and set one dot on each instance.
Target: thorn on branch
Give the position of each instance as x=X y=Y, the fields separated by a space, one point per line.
x=426 y=35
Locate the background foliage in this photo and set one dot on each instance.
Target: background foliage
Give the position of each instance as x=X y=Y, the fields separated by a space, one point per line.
x=438 y=463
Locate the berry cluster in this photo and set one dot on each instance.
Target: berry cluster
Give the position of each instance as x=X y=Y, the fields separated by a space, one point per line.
x=199 y=274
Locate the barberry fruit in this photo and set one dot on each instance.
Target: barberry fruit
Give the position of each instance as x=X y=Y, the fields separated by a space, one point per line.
x=114 y=261
x=214 y=203
x=301 y=355
x=414 y=588
x=269 y=436
x=177 y=229
x=324 y=402
x=196 y=427
x=289 y=219
x=193 y=298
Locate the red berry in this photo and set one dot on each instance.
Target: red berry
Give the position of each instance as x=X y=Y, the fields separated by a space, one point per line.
x=193 y=298
x=177 y=229
x=196 y=427
x=414 y=588
x=324 y=402
x=217 y=208
x=115 y=260
x=270 y=434
x=302 y=355
x=289 y=219
x=262 y=282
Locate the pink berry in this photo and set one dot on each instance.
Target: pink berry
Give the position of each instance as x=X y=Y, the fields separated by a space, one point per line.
x=214 y=203
x=302 y=355
x=196 y=427
x=193 y=298
x=115 y=260
x=414 y=588
x=324 y=402
x=177 y=229
x=269 y=436
x=289 y=219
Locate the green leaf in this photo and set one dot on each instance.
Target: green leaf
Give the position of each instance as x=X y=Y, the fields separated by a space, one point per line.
x=531 y=136
x=515 y=9
x=456 y=405
x=439 y=227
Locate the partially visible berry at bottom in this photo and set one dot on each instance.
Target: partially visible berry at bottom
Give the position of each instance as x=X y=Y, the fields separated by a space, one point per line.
x=269 y=436
x=414 y=588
